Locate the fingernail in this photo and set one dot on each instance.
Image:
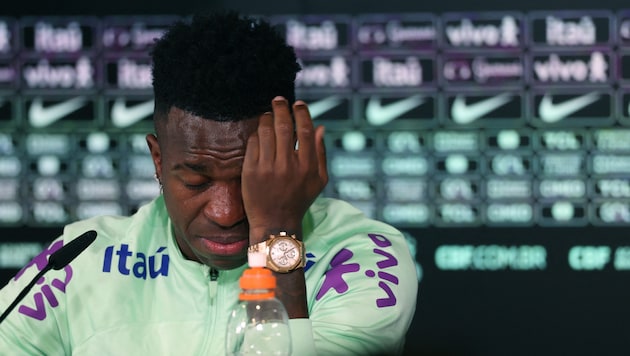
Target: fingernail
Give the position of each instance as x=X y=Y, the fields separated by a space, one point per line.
x=279 y=99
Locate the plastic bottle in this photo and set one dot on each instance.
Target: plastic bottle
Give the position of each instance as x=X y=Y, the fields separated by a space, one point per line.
x=259 y=324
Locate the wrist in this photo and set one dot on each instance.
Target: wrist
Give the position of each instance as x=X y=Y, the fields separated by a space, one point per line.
x=284 y=253
x=260 y=234
x=291 y=291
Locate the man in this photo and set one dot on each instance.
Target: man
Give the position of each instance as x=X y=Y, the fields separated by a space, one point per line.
x=240 y=164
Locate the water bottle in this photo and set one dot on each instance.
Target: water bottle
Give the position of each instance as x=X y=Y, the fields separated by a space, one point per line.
x=259 y=324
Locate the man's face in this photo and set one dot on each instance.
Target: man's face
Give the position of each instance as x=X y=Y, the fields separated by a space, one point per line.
x=199 y=162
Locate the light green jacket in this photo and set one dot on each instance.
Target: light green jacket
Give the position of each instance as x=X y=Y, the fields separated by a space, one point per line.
x=133 y=293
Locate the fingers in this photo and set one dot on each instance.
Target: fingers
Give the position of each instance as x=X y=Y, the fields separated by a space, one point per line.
x=274 y=141
x=266 y=138
x=322 y=167
x=252 y=152
x=305 y=132
x=283 y=129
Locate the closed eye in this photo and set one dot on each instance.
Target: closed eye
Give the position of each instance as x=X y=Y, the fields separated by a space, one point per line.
x=197 y=186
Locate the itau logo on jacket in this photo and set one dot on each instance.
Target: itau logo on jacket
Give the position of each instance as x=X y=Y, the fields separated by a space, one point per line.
x=140 y=265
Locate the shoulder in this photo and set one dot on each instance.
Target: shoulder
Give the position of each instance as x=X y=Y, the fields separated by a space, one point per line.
x=143 y=231
x=112 y=229
x=354 y=261
x=334 y=220
x=336 y=231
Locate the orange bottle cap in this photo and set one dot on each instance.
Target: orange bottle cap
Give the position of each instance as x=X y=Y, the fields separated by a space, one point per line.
x=257 y=278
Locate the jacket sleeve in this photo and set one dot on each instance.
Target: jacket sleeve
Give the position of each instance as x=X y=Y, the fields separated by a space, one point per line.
x=32 y=327
x=365 y=295
x=302 y=342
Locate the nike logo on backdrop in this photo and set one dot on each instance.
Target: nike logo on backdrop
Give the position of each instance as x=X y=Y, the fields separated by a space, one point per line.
x=124 y=116
x=319 y=107
x=378 y=115
x=551 y=112
x=463 y=113
x=40 y=116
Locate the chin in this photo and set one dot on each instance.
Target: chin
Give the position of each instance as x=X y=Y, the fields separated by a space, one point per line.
x=221 y=262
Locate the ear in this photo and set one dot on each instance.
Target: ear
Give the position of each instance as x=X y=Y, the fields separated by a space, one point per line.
x=156 y=154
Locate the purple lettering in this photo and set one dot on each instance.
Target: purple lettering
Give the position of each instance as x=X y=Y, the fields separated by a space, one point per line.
x=389 y=262
x=380 y=240
x=388 y=277
x=61 y=285
x=40 y=260
x=39 y=312
x=390 y=300
x=334 y=276
x=48 y=293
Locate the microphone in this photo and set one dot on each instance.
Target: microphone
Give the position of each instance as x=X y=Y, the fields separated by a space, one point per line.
x=63 y=256
x=57 y=260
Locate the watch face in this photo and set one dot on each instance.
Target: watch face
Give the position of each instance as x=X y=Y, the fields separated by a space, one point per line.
x=284 y=253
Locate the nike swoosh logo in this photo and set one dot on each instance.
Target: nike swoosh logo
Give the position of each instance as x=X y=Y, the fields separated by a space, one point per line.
x=124 y=116
x=550 y=112
x=463 y=113
x=319 y=107
x=378 y=115
x=40 y=116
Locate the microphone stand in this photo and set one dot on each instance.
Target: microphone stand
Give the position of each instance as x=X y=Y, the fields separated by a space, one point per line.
x=25 y=291
x=57 y=260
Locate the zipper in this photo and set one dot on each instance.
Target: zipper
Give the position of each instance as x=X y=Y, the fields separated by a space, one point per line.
x=211 y=321
x=212 y=290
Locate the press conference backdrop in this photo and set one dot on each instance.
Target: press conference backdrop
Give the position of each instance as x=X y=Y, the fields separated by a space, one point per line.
x=498 y=141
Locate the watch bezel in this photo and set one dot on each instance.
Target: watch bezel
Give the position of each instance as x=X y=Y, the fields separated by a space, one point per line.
x=275 y=239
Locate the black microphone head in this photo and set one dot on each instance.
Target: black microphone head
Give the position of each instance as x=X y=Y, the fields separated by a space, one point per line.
x=60 y=258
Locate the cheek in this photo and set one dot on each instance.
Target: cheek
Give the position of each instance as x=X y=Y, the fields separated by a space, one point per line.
x=181 y=208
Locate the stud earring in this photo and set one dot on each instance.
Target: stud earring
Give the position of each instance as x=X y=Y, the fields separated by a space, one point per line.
x=157 y=178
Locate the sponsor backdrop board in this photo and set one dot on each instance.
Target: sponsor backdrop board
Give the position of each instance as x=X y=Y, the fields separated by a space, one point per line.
x=496 y=138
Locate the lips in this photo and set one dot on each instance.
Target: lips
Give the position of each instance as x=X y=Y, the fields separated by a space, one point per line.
x=218 y=245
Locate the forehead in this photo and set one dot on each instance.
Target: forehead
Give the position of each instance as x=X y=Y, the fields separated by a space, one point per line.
x=186 y=132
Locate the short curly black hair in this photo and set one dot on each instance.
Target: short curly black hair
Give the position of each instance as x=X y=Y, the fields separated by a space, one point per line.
x=222 y=66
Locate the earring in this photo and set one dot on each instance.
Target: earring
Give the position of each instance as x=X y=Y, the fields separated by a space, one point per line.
x=157 y=178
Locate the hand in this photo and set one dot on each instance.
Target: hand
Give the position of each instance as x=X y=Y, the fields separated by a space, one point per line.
x=279 y=182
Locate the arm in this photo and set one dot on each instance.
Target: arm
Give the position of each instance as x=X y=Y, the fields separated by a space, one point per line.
x=363 y=289
x=280 y=182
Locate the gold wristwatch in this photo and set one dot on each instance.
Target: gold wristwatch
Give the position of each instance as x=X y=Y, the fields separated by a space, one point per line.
x=285 y=253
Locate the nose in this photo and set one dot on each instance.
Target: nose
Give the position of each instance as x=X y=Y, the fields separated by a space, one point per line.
x=225 y=204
